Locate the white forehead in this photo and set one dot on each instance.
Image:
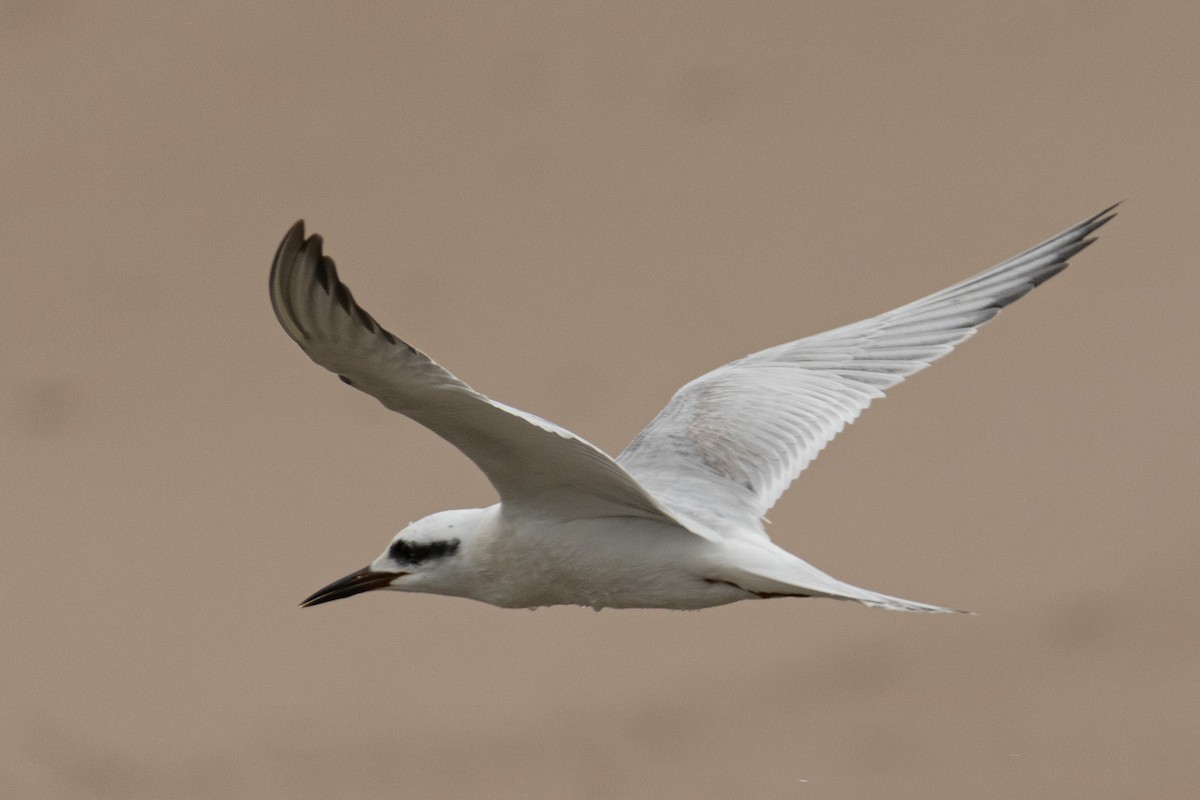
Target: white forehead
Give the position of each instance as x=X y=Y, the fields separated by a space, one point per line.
x=442 y=525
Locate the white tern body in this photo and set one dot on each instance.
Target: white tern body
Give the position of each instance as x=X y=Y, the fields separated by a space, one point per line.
x=675 y=521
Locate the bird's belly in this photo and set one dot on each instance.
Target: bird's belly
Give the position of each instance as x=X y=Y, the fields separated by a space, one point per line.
x=605 y=563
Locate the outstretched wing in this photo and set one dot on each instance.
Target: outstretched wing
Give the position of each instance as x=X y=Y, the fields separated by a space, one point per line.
x=730 y=442
x=530 y=461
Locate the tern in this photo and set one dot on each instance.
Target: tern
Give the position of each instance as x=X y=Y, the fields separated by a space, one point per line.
x=676 y=520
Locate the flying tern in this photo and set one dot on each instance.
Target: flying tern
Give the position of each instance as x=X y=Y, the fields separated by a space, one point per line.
x=676 y=520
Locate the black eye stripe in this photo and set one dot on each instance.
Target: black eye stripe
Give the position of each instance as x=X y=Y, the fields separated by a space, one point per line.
x=415 y=552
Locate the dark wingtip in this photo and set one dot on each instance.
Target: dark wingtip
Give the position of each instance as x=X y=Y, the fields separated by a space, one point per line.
x=1103 y=217
x=292 y=240
x=282 y=266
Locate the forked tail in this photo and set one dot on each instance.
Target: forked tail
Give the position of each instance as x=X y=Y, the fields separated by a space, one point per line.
x=796 y=577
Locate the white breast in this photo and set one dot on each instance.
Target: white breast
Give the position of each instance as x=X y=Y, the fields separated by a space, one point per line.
x=617 y=562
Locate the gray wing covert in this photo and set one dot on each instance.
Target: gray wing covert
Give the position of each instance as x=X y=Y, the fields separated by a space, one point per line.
x=730 y=442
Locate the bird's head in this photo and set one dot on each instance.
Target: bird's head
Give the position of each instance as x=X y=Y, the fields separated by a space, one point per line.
x=427 y=556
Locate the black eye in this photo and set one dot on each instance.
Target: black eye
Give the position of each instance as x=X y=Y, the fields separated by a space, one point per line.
x=415 y=552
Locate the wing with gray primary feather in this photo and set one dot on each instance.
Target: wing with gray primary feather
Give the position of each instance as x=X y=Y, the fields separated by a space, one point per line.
x=528 y=460
x=730 y=442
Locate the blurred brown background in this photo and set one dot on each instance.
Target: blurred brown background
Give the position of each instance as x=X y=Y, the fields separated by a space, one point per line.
x=578 y=207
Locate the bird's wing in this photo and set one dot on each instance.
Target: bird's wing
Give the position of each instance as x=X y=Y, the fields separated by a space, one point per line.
x=530 y=461
x=730 y=442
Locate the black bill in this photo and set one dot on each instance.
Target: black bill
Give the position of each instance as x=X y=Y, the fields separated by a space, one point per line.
x=356 y=583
